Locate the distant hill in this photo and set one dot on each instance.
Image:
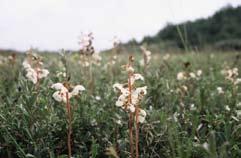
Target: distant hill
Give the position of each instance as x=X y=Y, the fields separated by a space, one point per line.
x=222 y=30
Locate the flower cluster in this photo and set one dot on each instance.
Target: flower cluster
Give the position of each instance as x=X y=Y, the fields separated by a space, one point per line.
x=146 y=56
x=86 y=61
x=182 y=89
x=130 y=96
x=86 y=43
x=3 y=60
x=112 y=61
x=231 y=75
x=116 y=42
x=87 y=51
x=33 y=66
x=189 y=75
x=96 y=58
x=166 y=57
x=62 y=93
x=61 y=74
x=10 y=59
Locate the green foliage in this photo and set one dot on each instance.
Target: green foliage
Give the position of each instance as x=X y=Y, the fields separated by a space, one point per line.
x=33 y=124
x=223 y=25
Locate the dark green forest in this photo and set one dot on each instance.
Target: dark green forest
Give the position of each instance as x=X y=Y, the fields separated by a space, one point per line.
x=221 y=30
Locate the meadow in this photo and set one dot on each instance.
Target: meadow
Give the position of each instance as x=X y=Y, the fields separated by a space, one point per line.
x=192 y=105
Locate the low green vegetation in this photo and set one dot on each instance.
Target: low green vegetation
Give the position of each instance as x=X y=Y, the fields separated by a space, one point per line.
x=193 y=106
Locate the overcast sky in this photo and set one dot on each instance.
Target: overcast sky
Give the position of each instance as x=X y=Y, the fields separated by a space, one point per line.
x=56 y=24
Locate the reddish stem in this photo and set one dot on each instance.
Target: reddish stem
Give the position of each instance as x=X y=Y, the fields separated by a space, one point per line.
x=131 y=115
x=69 y=124
x=131 y=135
x=137 y=132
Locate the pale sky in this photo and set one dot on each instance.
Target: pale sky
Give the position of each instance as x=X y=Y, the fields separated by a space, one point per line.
x=56 y=24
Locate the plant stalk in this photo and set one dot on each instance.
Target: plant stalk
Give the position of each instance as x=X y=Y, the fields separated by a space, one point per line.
x=69 y=125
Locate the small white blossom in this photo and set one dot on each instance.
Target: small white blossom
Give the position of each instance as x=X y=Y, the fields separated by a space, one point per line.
x=238 y=104
x=119 y=122
x=181 y=76
x=205 y=146
x=61 y=74
x=96 y=58
x=132 y=108
x=57 y=86
x=166 y=56
x=93 y=122
x=97 y=97
x=119 y=103
x=199 y=73
x=43 y=73
x=141 y=90
x=61 y=96
x=26 y=65
x=184 y=88
x=136 y=77
x=227 y=108
x=77 y=90
x=220 y=90
x=142 y=116
x=117 y=86
x=192 y=75
x=192 y=107
x=150 y=108
x=237 y=81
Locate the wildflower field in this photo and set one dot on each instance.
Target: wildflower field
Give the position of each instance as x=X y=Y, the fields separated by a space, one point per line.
x=119 y=104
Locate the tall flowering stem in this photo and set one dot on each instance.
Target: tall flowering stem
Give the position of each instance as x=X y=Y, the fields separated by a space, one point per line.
x=146 y=58
x=129 y=101
x=137 y=131
x=63 y=95
x=33 y=67
x=88 y=57
x=68 y=108
x=131 y=135
x=130 y=73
